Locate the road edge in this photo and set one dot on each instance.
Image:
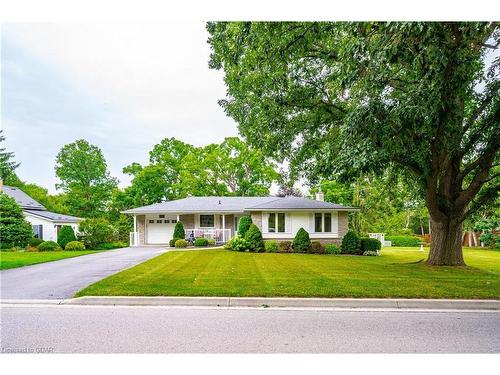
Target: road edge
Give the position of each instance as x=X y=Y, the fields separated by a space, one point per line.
x=271 y=302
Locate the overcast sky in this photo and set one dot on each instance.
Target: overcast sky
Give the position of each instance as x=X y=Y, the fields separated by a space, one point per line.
x=123 y=87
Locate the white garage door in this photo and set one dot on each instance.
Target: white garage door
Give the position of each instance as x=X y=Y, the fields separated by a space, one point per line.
x=160 y=231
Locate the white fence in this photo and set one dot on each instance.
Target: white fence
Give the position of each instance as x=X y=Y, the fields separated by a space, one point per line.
x=219 y=235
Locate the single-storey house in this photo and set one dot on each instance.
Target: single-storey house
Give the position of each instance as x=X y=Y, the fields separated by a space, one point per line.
x=278 y=218
x=45 y=224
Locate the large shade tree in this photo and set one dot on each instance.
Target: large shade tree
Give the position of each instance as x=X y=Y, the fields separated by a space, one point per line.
x=340 y=99
x=84 y=177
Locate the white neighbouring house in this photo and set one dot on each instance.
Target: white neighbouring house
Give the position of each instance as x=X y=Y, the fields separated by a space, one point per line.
x=45 y=224
x=278 y=218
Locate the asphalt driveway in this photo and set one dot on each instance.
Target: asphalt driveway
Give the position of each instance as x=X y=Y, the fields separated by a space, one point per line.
x=63 y=278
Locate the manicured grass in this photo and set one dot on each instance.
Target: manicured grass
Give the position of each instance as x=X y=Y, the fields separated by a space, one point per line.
x=23 y=258
x=395 y=273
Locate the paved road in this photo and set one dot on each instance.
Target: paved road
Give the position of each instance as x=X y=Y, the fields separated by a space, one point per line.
x=93 y=329
x=63 y=278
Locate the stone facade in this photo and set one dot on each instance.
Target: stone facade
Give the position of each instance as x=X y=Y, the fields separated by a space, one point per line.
x=257 y=219
x=141 y=226
x=343 y=223
x=187 y=220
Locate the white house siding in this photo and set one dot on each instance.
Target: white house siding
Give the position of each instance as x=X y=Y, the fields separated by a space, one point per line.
x=49 y=229
x=296 y=220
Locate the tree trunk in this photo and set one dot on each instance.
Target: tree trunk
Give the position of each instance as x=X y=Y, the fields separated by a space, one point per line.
x=446 y=243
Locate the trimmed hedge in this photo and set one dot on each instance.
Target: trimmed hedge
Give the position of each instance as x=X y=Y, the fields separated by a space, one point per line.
x=110 y=245
x=244 y=225
x=271 y=246
x=254 y=238
x=370 y=244
x=351 y=244
x=285 y=246
x=404 y=241
x=34 y=242
x=49 y=246
x=301 y=242
x=316 y=248
x=181 y=243
x=171 y=243
x=74 y=246
x=201 y=242
x=211 y=241
x=331 y=248
x=65 y=236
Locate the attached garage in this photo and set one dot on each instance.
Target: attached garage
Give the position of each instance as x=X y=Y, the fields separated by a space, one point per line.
x=160 y=229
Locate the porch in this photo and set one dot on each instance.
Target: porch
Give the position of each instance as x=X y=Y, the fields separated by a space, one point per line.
x=157 y=229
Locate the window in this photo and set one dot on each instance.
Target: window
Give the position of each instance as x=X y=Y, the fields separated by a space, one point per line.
x=161 y=216
x=166 y=221
x=318 y=222
x=158 y=221
x=328 y=222
x=207 y=221
x=272 y=223
x=38 y=231
x=151 y=221
x=281 y=222
x=323 y=222
x=276 y=222
x=174 y=221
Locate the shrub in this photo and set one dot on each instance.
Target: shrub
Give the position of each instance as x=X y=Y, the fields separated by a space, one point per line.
x=95 y=231
x=285 y=246
x=370 y=253
x=49 y=246
x=254 y=238
x=271 y=246
x=331 y=248
x=301 y=242
x=237 y=244
x=201 y=242
x=14 y=229
x=32 y=249
x=179 y=232
x=316 y=248
x=244 y=225
x=74 y=246
x=171 y=243
x=211 y=241
x=65 y=235
x=351 y=244
x=181 y=243
x=370 y=244
x=111 y=245
x=34 y=242
x=404 y=241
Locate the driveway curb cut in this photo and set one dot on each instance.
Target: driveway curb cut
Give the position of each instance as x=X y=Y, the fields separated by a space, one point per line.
x=261 y=302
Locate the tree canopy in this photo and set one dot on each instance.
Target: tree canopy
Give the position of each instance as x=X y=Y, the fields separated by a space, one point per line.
x=177 y=170
x=84 y=177
x=343 y=99
x=7 y=165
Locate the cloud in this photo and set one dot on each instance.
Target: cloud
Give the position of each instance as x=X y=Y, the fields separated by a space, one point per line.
x=122 y=86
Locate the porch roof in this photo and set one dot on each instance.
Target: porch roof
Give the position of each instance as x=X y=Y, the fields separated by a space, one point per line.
x=236 y=205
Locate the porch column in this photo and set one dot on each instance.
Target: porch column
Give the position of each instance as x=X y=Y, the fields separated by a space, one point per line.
x=135 y=231
x=178 y=218
x=223 y=228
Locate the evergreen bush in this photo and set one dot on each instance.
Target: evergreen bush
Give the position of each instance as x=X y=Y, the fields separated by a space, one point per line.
x=65 y=235
x=254 y=238
x=301 y=242
x=244 y=225
x=351 y=244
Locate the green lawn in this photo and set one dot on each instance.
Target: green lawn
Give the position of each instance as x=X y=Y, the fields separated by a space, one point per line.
x=22 y=258
x=225 y=273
